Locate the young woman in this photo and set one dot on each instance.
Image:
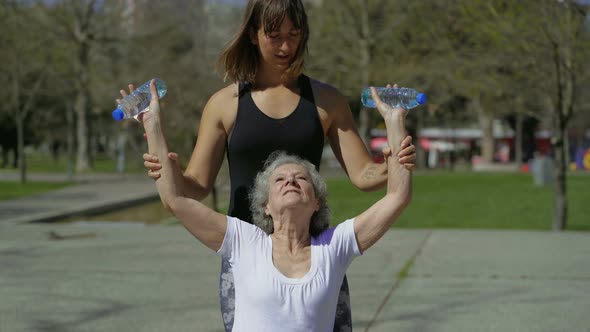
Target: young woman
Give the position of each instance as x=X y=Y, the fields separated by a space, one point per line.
x=271 y=105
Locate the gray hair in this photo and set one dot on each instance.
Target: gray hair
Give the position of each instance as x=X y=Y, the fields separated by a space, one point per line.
x=259 y=193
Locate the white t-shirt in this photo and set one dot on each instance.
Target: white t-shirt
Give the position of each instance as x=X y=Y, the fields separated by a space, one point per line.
x=266 y=300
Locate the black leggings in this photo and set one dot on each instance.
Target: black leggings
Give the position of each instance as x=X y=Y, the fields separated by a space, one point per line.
x=342 y=322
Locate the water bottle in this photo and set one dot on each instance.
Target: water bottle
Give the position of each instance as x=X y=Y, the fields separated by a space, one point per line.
x=395 y=97
x=138 y=100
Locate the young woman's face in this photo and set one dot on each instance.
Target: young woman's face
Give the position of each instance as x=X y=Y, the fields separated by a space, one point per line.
x=278 y=48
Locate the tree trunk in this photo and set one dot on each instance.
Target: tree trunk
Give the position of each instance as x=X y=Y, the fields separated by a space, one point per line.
x=365 y=62
x=420 y=153
x=81 y=108
x=561 y=113
x=486 y=123
x=81 y=31
x=518 y=139
x=70 y=139
x=20 y=133
x=19 y=154
x=82 y=159
x=450 y=124
x=559 y=172
x=122 y=137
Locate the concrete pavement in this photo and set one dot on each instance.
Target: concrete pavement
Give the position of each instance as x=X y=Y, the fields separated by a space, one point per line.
x=95 y=193
x=133 y=277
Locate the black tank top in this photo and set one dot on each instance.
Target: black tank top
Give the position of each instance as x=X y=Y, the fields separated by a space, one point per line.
x=255 y=136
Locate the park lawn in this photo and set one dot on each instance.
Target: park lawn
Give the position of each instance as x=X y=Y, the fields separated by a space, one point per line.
x=10 y=190
x=441 y=200
x=472 y=200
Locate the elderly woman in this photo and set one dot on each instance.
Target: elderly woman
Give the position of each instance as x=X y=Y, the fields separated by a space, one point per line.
x=289 y=266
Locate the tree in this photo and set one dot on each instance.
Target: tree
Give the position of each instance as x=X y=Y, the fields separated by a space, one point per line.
x=177 y=41
x=564 y=40
x=25 y=68
x=83 y=27
x=345 y=36
x=549 y=47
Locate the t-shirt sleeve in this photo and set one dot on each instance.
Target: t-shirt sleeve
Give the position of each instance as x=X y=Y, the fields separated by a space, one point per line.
x=238 y=234
x=342 y=241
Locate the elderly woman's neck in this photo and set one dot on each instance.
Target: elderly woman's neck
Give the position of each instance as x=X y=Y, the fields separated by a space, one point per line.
x=293 y=236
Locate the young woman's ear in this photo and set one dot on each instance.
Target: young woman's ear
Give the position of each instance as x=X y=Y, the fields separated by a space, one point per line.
x=253 y=36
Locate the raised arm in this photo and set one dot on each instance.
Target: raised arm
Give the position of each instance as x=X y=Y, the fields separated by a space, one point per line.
x=208 y=153
x=204 y=223
x=370 y=225
x=349 y=148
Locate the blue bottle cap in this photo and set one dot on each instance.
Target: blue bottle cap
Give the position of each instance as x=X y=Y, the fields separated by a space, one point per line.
x=118 y=114
x=421 y=98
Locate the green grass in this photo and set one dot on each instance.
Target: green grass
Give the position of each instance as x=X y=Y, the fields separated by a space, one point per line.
x=472 y=200
x=441 y=200
x=10 y=190
x=452 y=200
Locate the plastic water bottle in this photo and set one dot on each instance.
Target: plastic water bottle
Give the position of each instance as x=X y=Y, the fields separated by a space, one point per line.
x=138 y=100
x=395 y=97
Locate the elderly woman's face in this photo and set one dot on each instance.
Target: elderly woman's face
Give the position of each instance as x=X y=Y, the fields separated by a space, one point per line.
x=290 y=186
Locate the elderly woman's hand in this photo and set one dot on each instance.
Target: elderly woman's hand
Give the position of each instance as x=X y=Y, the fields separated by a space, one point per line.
x=407 y=154
x=384 y=109
x=152 y=110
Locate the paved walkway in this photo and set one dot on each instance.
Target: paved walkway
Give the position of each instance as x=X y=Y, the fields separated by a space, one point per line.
x=132 y=277
x=94 y=193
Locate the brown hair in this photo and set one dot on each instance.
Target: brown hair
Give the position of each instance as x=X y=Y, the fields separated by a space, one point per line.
x=239 y=60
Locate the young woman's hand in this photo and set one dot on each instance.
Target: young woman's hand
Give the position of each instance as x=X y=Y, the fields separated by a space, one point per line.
x=407 y=155
x=152 y=163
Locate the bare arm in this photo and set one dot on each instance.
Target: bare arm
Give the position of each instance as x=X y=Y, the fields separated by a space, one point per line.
x=204 y=223
x=207 y=157
x=370 y=225
x=349 y=148
x=209 y=150
x=351 y=152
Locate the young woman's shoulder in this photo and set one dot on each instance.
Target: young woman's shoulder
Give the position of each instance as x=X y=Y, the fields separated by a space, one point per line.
x=224 y=96
x=222 y=106
x=324 y=90
x=327 y=97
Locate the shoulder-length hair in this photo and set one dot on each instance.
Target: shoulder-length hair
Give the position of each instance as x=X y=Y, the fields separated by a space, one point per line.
x=320 y=220
x=239 y=60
